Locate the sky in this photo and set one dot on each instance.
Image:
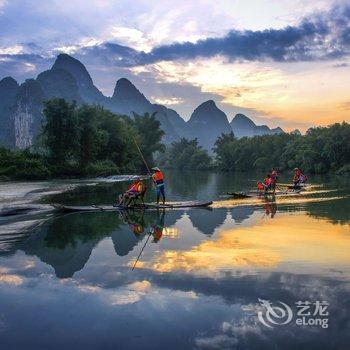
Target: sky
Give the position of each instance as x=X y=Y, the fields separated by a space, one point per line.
x=282 y=63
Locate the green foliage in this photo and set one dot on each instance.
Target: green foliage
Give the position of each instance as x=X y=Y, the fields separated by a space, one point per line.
x=104 y=142
x=87 y=135
x=84 y=140
x=345 y=170
x=21 y=165
x=102 y=168
x=149 y=135
x=60 y=130
x=321 y=150
x=186 y=154
x=223 y=148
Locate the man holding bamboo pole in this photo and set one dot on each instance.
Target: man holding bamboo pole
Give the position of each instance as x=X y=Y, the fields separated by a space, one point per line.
x=158 y=179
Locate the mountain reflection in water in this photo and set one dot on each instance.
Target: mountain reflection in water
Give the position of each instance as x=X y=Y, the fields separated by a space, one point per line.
x=197 y=279
x=67 y=242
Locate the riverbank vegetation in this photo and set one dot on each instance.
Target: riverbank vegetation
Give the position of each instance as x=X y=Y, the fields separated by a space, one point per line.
x=321 y=150
x=84 y=141
x=91 y=141
x=185 y=155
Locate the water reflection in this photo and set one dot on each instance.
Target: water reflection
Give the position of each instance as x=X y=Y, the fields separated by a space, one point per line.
x=270 y=207
x=199 y=274
x=241 y=213
x=290 y=241
x=200 y=281
x=206 y=222
x=66 y=243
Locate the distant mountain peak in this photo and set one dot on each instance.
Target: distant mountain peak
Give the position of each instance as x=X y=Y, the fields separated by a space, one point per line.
x=86 y=87
x=74 y=67
x=8 y=81
x=210 y=104
x=207 y=122
x=241 y=120
x=279 y=129
x=210 y=112
x=125 y=83
x=64 y=58
x=126 y=90
x=243 y=126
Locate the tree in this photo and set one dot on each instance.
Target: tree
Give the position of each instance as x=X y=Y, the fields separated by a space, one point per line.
x=223 y=149
x=186 y=154
x=60 y=130
x=89 y=138
x=88 y=135
x=148 y=135
x=320 y=150
x=115 y=140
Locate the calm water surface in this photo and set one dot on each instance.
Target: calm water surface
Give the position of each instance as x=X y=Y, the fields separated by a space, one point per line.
x=182 y=279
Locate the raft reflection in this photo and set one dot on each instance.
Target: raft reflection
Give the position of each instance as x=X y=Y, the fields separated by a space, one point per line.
x=66 y=243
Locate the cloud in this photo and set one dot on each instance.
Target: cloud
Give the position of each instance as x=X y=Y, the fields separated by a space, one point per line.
x=220 y=341
x=340 y=65
x=345 y=106
x=167 y=101
x=11 y=279
x=22 y=65
x=321 y=36
x=324 y=36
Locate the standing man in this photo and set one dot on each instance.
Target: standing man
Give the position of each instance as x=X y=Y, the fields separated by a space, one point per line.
x=274 y=177
x=158 y=179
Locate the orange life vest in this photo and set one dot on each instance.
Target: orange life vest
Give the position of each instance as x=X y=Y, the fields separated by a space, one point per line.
x=158 y=233
x=158 y=177
x=136 y=187
x=136 y=228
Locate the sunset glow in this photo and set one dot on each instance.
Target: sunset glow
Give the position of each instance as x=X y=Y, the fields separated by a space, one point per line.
x=281 y=63
x=269 y=244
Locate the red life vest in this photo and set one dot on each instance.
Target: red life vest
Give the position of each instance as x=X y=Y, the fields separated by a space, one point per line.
x=268 y=181
x=260 y=186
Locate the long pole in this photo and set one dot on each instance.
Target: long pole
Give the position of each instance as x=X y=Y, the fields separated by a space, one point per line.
x=137 y=259
x=144 y=160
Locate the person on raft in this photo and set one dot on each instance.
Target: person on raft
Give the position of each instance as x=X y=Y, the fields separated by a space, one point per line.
x=158 y=179
x=158 y=229
x=266 y=184
x=136 y=222
x=274 y=178
x=136 y=190
x=299 y=177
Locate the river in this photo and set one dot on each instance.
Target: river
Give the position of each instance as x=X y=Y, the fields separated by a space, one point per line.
x=242 y=274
